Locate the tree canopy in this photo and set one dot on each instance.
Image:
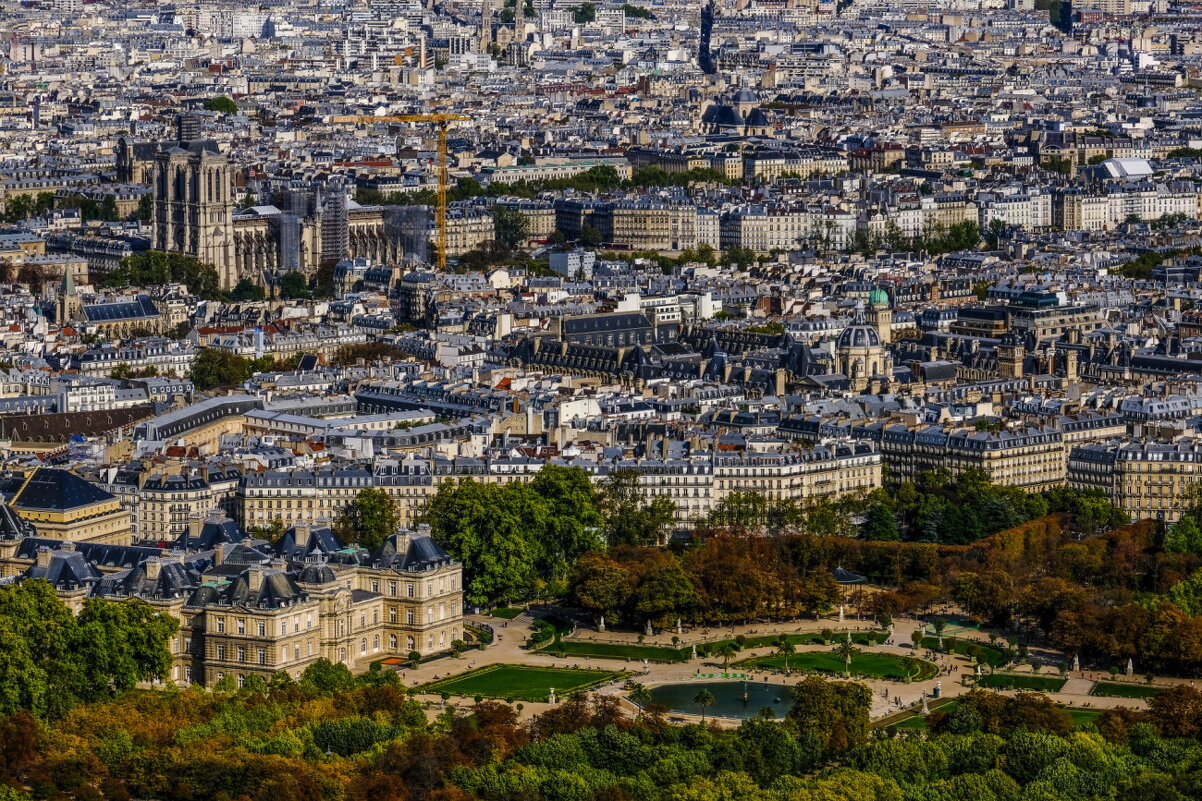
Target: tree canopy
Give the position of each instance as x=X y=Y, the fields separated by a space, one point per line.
x=369 y=520
x=156 y=267
x=221 y=104
x=219 y=368
x=332 y=736
x=630 y=519
x=516 y=539
x=51 y=659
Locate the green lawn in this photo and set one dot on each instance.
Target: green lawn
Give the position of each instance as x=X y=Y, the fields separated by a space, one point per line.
x=864 y=664
x=909 y=720
x=521 y=682
x=993 y=657
x=916 y=723
x=809 y=638
x=1007 y=681
x=663 y=653
x=1115 y=689
x=507 y=612
x=1082 y=717
x=608 y=650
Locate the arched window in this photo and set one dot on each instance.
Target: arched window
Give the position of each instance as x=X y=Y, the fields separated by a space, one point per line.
x=363 y=646
x=375 y=643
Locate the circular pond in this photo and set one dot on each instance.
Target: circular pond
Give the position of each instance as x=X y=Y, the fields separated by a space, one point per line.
x=732 y=699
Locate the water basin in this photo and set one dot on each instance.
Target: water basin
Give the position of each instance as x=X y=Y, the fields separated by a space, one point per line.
x=732 y=699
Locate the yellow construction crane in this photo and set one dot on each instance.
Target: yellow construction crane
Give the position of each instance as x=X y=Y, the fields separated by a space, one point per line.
x=442 y=120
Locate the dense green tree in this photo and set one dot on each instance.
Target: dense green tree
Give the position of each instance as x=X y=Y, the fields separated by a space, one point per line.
x=836 y=711
x=247 y=290
x=51 y=660
x=637 y=12
x=590 y=237
x=219 y=368
x=880 y=524
x=326 y=677
x=1187 y=594
x=122 y=643
x=664 y=591
x=517 y=538
x=493 y=530
x=573 y=520
x=1091 y=511
x=510 y=226
x=1184 y=536
x=295 y=286
x=155 y=267
x=602 y=586
x=629 y=518
x=584 y=13
x=370 y=519
x=221 y=104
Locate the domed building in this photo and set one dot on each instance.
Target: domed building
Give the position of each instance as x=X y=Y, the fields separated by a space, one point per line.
x=860 y=354
x=880 y=316
x=740 y=116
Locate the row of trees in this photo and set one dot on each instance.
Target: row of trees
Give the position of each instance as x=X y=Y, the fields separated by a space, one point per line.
x=1094 y=586
x=936 y=507
x=938 y=240
x=1111 y=596
x=1142 y=265
x=220 y=368
x=156 y=267
x=724 y=579
x=22 y=207
x=603 y=178
x=520 y=540
x=330 y=737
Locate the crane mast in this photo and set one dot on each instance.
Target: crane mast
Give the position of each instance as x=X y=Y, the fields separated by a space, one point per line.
x=440 y=212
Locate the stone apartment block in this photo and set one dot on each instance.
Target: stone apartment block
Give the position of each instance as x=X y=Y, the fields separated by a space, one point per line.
x=695 y=485
x=1146 y=479
x=1031 y=457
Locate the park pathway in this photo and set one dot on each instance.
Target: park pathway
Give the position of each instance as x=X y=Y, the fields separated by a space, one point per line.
x=889 y=697
x=1077 y=685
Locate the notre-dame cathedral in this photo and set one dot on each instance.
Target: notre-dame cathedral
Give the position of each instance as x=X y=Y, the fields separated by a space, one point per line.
x=302 y=224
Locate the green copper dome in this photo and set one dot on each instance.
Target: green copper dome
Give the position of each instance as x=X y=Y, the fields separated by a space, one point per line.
x=878 y=297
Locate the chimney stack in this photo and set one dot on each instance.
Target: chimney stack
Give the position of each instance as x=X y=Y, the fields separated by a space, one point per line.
x=254 y=577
